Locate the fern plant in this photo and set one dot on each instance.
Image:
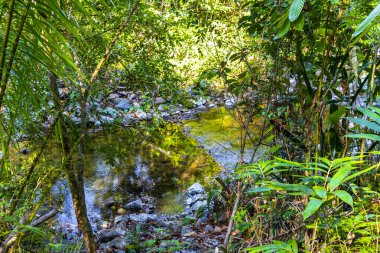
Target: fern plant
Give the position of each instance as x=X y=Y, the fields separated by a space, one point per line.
x=330 y=193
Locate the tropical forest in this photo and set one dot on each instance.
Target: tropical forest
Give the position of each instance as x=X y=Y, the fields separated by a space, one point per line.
x=189 y=126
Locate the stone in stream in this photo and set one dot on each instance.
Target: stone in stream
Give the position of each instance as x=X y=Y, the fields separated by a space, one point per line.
x=143 y=217
x=137 y=218
x=230 y=103
x=140 y=114
x=122 y=104
x=107 y=235
x=196 y=198
x=116 y=245
x=135 y=206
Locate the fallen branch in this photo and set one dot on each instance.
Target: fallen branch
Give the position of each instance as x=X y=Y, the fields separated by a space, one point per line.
x=14 y=235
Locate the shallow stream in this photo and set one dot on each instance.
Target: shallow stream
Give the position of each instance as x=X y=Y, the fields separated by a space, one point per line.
x=123 y=164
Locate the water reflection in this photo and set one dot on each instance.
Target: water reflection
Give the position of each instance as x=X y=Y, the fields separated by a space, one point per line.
x=123 y=164
x=221 y=135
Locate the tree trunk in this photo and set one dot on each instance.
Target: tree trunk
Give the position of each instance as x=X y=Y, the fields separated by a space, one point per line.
x=75 y=177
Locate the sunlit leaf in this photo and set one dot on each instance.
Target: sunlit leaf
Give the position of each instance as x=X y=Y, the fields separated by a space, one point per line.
x=373 y=137
x=311 y=207
x=338 y=177
x=284 y=29
x=367 y=21
x=344 y=196
x=295 y=9
x=320 y=191
x=362 y=122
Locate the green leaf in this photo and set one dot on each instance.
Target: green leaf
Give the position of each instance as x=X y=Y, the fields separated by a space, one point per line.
x=373 y=115
x=337 y=179
x=376 y=166
x=284 y=30
x=333 y=118
x=293 y=245
x=345 y=197
x=278 y=246
x=366 y=123
x=258 y=189
x=290 y=187
x=274 y=149
x=311 y=207
x=295 y=9
x=373 y=137
x=150 y=242
x=320 y=191
x=299 y=24
x=367 y=21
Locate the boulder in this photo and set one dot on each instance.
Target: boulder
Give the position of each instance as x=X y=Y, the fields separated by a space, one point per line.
x=195 y=189
x=141 y=115
x=196 y=198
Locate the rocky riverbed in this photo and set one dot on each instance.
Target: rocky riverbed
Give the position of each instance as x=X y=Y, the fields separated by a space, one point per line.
x=142 y=228
x=140 y=207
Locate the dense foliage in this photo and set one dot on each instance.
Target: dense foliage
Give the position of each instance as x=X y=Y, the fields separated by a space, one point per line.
x=307 y=69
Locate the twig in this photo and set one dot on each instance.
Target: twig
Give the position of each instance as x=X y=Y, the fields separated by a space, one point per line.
x=230 y=224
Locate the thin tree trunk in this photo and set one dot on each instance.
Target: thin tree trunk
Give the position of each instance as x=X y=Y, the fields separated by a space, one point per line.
x=75 y=179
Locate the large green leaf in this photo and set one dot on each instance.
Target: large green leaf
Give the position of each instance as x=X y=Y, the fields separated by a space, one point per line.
x=376 y=166
x=373 y=137
x=371 y=125
x=373 y=115
x=337 y=179
x=284 y=30
x=345 y=197
x=320 y=191
x=311 y=207
x=295 y=9
x=278 y=246
x=367 y=21
x=333 y=118
x=302 y=189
